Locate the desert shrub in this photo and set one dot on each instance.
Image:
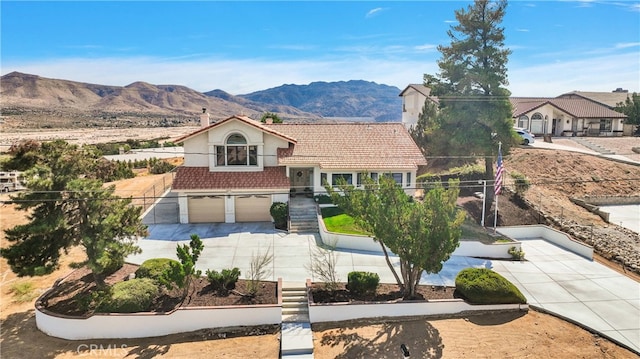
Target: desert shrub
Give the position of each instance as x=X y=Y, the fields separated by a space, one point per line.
x=521 y=183
x=135 y=295
x=516 y=254
x=484 y=286
x=280 y=212
x=363 y=283
x=154 y=267
x=223 y=281
x=23 y=291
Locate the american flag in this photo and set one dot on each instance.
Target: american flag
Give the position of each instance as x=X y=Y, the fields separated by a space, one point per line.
x=499 y=170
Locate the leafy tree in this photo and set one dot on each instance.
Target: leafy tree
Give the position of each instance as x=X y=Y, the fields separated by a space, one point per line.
x=422 y=132
x=475 y=112
x=24 y=155
x=68 y=209
x=422 y=234
x=631 y=108
x=271 y=115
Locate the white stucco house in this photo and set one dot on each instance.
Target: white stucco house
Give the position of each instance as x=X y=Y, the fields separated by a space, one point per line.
x=413 y=99
x=576 y=113
x=566 y=116
x=236 y=168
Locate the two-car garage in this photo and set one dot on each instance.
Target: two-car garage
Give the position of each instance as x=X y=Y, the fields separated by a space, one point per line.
x=242 y=208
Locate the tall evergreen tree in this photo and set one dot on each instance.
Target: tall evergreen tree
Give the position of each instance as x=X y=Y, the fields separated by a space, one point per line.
x=474 y=104
x=67 y=209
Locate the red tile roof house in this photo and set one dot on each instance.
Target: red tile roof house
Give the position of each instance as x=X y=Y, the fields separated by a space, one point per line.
x=235 y=169
x=566 y=116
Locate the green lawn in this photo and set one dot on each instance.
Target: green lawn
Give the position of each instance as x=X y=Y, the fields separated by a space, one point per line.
x=338 y=222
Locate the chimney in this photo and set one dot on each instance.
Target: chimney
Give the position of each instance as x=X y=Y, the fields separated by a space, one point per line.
x=269 y=121
x=204 y=118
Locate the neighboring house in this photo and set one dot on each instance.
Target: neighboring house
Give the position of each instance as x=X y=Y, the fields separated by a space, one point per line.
x=577 y=113
x=566 y=116
x=236 y=168
x=413 y=99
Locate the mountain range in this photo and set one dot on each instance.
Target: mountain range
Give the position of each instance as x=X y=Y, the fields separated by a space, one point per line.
x=29 y=99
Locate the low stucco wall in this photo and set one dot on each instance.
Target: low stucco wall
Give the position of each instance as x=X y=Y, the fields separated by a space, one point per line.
x=335 y=312
x=143 y=325
x=366 y=243
x=549 y=234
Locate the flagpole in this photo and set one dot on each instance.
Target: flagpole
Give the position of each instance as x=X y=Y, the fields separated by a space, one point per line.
x=499 y=185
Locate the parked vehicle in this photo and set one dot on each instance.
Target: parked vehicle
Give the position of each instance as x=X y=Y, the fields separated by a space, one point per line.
x=527 y=137
x=11 y=181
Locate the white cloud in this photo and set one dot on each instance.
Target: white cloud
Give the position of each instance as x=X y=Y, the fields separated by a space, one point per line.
x=522 y=30
x=374 y=12
x=597 y=73
x=604 y=73
x=425 y=47
x=625 y=45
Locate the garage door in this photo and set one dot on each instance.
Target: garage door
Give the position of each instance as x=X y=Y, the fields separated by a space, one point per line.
x=253 y=209
x=206 y=209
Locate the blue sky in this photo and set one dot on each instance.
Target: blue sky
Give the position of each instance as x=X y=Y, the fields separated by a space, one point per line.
x=241 y=47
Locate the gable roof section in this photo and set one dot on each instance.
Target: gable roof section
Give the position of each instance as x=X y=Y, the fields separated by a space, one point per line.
x=610 y=99
x=576 y=107
x=200 y=178
x=350 y=146
x=422 y=89
x=257 y=124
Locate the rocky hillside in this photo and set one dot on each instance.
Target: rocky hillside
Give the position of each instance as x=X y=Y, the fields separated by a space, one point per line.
x=31 y=101
x=34 y=101
x=354 y=98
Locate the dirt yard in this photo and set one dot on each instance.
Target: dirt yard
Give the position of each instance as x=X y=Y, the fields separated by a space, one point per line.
x=533 y=335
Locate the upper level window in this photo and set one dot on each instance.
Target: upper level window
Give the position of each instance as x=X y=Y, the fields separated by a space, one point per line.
x=236 y=152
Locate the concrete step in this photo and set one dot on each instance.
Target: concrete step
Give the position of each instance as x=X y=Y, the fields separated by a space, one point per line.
x=296 y=339
x=294 y=298
x=296 y=310
x=295 y=305
x=295 y=318
x=294 y=292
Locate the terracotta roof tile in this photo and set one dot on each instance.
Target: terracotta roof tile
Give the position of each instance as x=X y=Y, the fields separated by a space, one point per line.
x=576 y=107
x=200 y=178
x=350 y=146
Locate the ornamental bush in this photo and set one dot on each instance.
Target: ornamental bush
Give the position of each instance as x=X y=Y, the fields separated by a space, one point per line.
x=154 y=267
x=484 y=286
x=363 y=283
x=135 y=295
x=280 y=212
x=225 y=280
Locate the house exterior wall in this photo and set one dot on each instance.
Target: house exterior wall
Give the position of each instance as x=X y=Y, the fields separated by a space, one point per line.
x=271 y=145
x=412 y=103
x=195 y=151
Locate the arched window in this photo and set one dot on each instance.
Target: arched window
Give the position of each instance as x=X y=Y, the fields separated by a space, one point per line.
x=536 y=116
x=236 y=152
x=523 y=122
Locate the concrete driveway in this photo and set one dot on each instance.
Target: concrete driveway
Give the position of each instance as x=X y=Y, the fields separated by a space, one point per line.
x=578 y=289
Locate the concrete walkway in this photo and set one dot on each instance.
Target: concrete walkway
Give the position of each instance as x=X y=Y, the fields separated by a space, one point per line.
x=552 y=278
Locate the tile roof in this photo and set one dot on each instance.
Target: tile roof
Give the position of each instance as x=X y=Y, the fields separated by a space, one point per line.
x=200 y=178
x=244 y=119
x=350 y=146
x=576 y=107
x=610 y=99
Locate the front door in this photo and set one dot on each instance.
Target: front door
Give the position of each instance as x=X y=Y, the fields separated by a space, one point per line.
x=301 y=181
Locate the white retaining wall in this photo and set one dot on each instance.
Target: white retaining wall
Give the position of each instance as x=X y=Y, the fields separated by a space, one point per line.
x=347 y=311
x=142 y=325
x=549 y=234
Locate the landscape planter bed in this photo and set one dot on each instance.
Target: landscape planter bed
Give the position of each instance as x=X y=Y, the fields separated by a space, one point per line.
x=150 y=324
x=343 y=311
